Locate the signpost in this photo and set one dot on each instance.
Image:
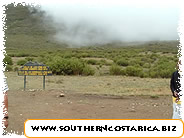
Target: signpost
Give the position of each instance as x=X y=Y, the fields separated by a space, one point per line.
x=34 y=69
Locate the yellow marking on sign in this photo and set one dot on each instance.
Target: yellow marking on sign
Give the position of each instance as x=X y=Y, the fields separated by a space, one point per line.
x=34 y=71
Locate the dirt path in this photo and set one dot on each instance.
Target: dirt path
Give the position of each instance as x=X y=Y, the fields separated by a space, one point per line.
x=48 y=105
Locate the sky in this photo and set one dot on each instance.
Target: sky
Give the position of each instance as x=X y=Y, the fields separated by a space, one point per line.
x=90 y=22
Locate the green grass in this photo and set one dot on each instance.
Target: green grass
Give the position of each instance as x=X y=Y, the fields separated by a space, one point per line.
x=110 y=85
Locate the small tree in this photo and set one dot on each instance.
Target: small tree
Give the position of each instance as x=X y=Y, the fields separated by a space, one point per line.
x=7 y=60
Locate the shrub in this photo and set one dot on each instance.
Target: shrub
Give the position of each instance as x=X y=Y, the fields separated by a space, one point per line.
x=116 y=58
x=144 y=74
x=21 y=62
x=154 y=56
x=115 y=70
x=134 y=62
x=147 y=65
x=123 y=72
x=7 y=60
x=163 y=68
x=92 y=61
x=153 y=74
x=87 y=70
x=45 y=59
x=67 y=55
x=85 y=55
x=29 y=59
x=8 y=68
x=133 y=71
x=103 y=62
x=76 y=66
x=138 y=61
x=73 y=66
x=122 y=62
x=22 y=55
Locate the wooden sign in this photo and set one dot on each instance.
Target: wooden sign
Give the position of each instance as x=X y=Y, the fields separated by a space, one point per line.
x=34 y=69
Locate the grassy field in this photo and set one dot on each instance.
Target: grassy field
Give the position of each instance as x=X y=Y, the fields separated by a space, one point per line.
x=102 y=85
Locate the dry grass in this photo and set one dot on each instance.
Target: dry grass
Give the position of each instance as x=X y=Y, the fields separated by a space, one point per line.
x=109 y=85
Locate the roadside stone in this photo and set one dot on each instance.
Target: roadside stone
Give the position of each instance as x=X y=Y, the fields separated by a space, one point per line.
x=32 y=90
x=61 y=95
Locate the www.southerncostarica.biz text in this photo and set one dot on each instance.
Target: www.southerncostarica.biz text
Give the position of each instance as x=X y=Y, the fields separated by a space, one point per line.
x=103 y=128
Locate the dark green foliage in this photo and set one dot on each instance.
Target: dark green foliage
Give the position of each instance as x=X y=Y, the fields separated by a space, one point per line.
x=7 y=60
x=115 y=70
x=136 y=62
x=71 y=66
x=154 y=56
x=147 y=65
x=21 y=62
x=23 y=54
x=87 y=70
x=122 y=62
x=133 y=71
x=144 y=74
x=163 y=68
x=8 y=68
x=103 y=62
x=92 y=62
x=29 y=59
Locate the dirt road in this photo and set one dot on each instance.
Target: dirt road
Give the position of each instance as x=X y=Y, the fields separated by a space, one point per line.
x=49 y=105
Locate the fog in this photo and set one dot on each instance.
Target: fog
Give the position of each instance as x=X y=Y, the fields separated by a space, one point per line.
x=93 y=22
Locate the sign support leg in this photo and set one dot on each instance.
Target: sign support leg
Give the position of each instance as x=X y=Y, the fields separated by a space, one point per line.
x=24 y=82
x=44 y=82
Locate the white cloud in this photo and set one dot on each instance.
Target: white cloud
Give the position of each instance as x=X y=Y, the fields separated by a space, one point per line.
x=84 y=22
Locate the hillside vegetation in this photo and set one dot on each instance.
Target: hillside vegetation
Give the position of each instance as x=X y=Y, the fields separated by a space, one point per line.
x=29 y=38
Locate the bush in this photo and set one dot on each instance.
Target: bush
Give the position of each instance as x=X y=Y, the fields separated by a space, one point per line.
x=92 y=61
x=163 y=68
x=29 y=59
x=76 y=66
x=21 y=62
x=115 y=70
x=122 y=62
x=104 y=62
x=67 y=55
x=144 y=74
x=123 y=72
x=135 y=62
x=154 y=74
x=73 y=66
x=87 y=70
x=7 y=60
x=133 y=71
x=84 y=55
x=45 y=59
x=147 y=65
x=154 y=56
x=22 y=55
x=8 y=68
